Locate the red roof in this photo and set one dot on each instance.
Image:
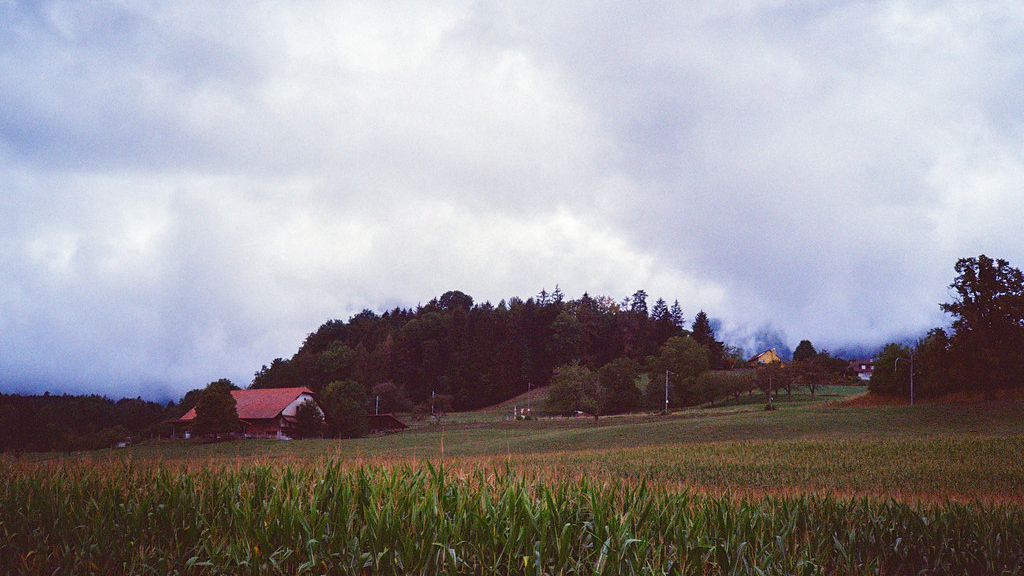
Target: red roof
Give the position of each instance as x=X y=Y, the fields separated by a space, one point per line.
x=261 y=404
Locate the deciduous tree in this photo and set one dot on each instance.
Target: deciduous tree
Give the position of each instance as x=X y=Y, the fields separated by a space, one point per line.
x=988 y=323
x=344 y=406
x=574 y=388
x=892 y=371
x=309 y=421
x=715 y=384
x=769 y=378
x=392 y=398
x=683 y=360
x=215 y=410
x=617 y=380
x=932 y=362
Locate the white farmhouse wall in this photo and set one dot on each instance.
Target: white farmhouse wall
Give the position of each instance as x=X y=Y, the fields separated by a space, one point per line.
x=290 y=409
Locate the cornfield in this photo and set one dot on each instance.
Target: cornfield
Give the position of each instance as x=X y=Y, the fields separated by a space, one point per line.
x=420 y=519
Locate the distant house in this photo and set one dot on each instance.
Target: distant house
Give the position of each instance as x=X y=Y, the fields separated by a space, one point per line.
x=766 y=357
x=265 y=413
x=862 y=368
x=378 y=423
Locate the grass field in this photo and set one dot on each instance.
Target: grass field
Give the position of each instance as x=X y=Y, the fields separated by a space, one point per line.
x=815 y=487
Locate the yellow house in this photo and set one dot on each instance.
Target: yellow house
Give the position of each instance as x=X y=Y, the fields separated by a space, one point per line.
x=766 y=357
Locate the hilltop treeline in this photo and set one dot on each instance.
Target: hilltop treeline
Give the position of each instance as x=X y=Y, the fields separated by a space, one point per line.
x=48 y=422
x=480 y=354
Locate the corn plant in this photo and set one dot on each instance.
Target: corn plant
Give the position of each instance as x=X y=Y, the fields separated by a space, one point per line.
x=425 y=519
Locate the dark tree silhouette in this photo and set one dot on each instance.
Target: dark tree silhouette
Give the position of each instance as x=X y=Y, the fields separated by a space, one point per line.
x=704 y=334
x=215 y=410
x=478 y=353
x=988 y=323
x=309 y=421
x=804 y=351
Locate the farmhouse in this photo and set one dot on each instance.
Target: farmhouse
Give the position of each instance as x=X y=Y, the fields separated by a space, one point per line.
x=863 y=368
x=265 y=413
x=766 y=357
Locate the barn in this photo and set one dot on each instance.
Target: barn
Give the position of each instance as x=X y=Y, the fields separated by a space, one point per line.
x=380 y=423
x=265 y=413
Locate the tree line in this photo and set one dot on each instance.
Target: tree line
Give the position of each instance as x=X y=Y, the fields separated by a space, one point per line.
x=470 y=355
x=44 y=423
x=681 y=374
x=984 y=351
x=600 y=356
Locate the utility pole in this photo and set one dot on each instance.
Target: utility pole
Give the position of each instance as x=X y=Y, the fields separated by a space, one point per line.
x=666 y=389
x=529 y=390
x=897 y=363
x=376 y=406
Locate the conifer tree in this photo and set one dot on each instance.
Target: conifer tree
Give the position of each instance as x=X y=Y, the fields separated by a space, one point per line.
x=676 y=313
x=704 y=334
x=804 y=351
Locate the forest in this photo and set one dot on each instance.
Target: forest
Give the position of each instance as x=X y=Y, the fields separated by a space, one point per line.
x=44 y=423
x=479 y=354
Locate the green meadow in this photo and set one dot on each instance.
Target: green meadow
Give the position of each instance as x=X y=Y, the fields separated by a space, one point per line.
x=814 y=487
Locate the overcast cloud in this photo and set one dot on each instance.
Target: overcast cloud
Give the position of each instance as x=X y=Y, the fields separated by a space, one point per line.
x=187 y=189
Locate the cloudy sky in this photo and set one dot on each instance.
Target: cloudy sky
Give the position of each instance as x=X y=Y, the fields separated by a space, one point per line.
x=188 y=188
